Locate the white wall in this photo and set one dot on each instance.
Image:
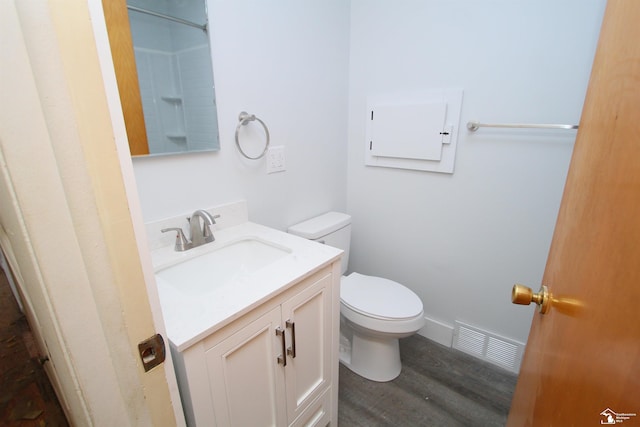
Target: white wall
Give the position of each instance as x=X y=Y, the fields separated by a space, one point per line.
x=287 y=63
x=460 y=241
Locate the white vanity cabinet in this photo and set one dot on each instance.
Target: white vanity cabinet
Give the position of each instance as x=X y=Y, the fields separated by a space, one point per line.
x=276 y=365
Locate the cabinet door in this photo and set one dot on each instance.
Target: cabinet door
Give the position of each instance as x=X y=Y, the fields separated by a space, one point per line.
x=307 y=317
x=247 y=382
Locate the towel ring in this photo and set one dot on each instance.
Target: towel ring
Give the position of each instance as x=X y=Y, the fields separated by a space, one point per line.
x=243 y=119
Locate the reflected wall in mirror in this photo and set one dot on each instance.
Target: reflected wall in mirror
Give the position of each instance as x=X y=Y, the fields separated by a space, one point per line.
x=163 y=66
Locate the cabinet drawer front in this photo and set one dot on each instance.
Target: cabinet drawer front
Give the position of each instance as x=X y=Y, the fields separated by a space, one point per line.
x=316 y=414
x=246 y=381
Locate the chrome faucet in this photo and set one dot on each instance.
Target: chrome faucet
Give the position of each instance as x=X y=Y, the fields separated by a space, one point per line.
x=199 y=235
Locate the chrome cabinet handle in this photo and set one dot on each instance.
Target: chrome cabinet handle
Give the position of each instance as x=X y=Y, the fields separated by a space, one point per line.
x=282 y=359
x=291 y=351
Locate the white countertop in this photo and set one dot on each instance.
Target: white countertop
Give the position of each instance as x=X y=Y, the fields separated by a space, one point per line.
x=189 y=319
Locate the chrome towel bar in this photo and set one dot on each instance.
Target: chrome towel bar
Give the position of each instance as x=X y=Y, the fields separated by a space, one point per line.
x=475 y=125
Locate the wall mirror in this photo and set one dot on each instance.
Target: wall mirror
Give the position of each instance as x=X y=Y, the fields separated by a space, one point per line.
x=162 y=58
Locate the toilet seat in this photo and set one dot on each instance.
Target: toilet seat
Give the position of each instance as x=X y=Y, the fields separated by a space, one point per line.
x=379 y=298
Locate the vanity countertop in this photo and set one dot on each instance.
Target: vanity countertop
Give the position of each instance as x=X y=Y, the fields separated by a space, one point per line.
x=188 y=319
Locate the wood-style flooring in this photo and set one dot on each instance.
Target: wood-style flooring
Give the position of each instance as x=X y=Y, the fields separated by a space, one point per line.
x=438 y=386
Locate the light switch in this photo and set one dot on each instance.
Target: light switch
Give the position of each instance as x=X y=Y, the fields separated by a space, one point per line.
x=275 y=159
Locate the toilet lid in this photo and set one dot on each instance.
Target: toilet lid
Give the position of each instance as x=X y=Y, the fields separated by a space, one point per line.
x=380 y=298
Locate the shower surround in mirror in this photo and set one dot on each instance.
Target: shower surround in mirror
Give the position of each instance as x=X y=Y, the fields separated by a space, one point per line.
x=175 y=75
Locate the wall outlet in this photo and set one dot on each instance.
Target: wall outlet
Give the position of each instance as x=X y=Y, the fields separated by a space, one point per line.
x=275 y=159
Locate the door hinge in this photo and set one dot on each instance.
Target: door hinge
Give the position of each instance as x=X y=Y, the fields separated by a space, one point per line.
x=152 y=352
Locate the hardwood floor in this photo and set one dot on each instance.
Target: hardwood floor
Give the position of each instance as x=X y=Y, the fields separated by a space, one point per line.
x=438 y=386
x=26 y=396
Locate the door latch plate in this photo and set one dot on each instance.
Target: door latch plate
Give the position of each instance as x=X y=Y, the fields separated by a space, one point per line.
x=152 y=352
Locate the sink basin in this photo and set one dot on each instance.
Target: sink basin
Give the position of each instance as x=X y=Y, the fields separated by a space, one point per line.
x=231 y=262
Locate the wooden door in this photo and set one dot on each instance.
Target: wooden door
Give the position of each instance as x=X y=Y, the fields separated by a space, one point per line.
x=68 y=222
x=582 y=362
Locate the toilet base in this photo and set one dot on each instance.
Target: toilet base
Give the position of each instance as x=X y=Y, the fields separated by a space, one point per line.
x=374 y=358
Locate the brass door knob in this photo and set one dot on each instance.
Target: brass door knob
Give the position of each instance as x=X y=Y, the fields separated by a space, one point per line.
x=523 y=295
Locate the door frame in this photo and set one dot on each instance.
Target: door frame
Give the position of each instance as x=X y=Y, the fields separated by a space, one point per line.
x=71 y=218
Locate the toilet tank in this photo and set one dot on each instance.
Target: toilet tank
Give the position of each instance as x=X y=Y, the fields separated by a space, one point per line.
x=332 y=228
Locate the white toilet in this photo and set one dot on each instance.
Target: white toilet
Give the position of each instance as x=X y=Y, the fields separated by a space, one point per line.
x=374 y=312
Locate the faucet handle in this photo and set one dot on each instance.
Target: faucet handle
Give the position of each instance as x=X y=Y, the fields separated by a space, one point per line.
x=182 y=244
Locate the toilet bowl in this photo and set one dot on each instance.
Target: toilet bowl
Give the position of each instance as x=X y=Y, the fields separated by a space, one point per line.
x=374 y=312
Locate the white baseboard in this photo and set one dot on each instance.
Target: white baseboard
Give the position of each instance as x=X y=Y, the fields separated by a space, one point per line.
x=438 y=332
